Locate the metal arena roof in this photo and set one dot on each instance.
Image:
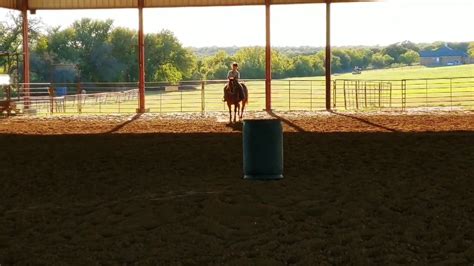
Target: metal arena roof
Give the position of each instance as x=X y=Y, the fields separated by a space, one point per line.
x=99 y=4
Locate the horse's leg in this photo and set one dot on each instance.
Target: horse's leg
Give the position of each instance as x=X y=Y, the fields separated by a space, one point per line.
x=236 y=107
x=237 y=114
x=242 y=110
x=230 y=112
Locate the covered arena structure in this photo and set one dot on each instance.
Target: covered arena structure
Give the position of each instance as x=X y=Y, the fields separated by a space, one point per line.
x=32 y=5
x=359 y=188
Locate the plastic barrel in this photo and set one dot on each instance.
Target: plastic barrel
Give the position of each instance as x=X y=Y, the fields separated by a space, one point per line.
x=263 y=149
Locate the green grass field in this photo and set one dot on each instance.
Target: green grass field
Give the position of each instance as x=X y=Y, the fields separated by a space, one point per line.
x=413 y=72
x=425 y=87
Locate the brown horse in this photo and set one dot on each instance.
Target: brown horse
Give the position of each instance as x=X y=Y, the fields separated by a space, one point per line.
x=234 y=96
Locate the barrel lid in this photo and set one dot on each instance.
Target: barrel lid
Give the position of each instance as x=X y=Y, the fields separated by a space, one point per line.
x=260 y=119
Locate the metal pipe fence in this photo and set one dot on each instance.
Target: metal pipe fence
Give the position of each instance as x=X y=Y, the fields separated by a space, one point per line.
x=402 y=94
x=207 y=96
x=76 y=98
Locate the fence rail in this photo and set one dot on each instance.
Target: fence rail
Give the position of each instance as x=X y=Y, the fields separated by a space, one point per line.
x=206 y=96
x=402 y=94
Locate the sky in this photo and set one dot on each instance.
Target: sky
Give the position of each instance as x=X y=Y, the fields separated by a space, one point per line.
x=380 y=23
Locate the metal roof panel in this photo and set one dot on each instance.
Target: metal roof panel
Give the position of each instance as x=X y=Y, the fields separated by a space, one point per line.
x=105 y=4
x=81 y=4
x=183 y=3
x=12 y=4
x=443 y=51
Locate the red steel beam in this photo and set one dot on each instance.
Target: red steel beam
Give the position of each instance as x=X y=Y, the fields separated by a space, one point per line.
x=26 y=55
x=268 y=60
x=328 y=55
x=141 y=59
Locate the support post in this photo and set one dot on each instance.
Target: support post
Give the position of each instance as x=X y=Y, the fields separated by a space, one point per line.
x=203 y=97
x=26 y=55
x=357 y=94
x=268 y=58
x=380 y=95
x=328 y=55
x=79 y=97
x=141 y=59
x=365 y=93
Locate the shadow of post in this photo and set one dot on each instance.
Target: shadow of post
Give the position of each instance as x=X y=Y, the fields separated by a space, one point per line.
x=287 y=122
x=118 y=127
x=365 y=121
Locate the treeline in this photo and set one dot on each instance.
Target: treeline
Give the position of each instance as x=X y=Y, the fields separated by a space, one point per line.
x=290 y=50
x=95 y=51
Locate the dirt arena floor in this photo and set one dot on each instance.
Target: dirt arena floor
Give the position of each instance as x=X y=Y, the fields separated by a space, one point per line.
x=359 y=189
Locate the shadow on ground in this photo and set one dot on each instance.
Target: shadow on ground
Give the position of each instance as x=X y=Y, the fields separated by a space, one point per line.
x=347 y=198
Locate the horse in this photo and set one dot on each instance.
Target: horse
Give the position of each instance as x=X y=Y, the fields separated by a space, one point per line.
x=233 y=96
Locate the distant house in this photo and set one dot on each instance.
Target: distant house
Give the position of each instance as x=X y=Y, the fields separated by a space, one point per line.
x=444 y=56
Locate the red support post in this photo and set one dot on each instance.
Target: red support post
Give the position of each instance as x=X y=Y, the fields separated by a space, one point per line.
x=328 y=55
x=26 y=55
x=268 y=60
x=141 y=58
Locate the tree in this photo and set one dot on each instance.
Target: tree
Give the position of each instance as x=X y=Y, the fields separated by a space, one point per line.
x=302 y=66
x=216 y=66
x=106 y=54
x=200 y=71
x=252 y=61
x=11 y=31
x=11 y=37
x=410 y=46
x=471 y=49
x=124 y=44
x=90 y=39
x=395 y=51
x=360 y=57
x=86 y=43
x=103 y=63
x=462 y=46
x=380 y=60
x=336 y=65
x=345 y=60
x=357 y=58
x=410 y=57
x=168 y=73
x=63 y=44
x=164 y=48
x=281 y=65
x=318 y=65
x=432 y=46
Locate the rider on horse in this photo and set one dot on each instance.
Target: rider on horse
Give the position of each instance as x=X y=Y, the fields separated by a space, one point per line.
x=233 y=76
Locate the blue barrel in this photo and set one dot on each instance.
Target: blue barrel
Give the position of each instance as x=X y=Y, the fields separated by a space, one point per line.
x=61 y=91
x=263 y=149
